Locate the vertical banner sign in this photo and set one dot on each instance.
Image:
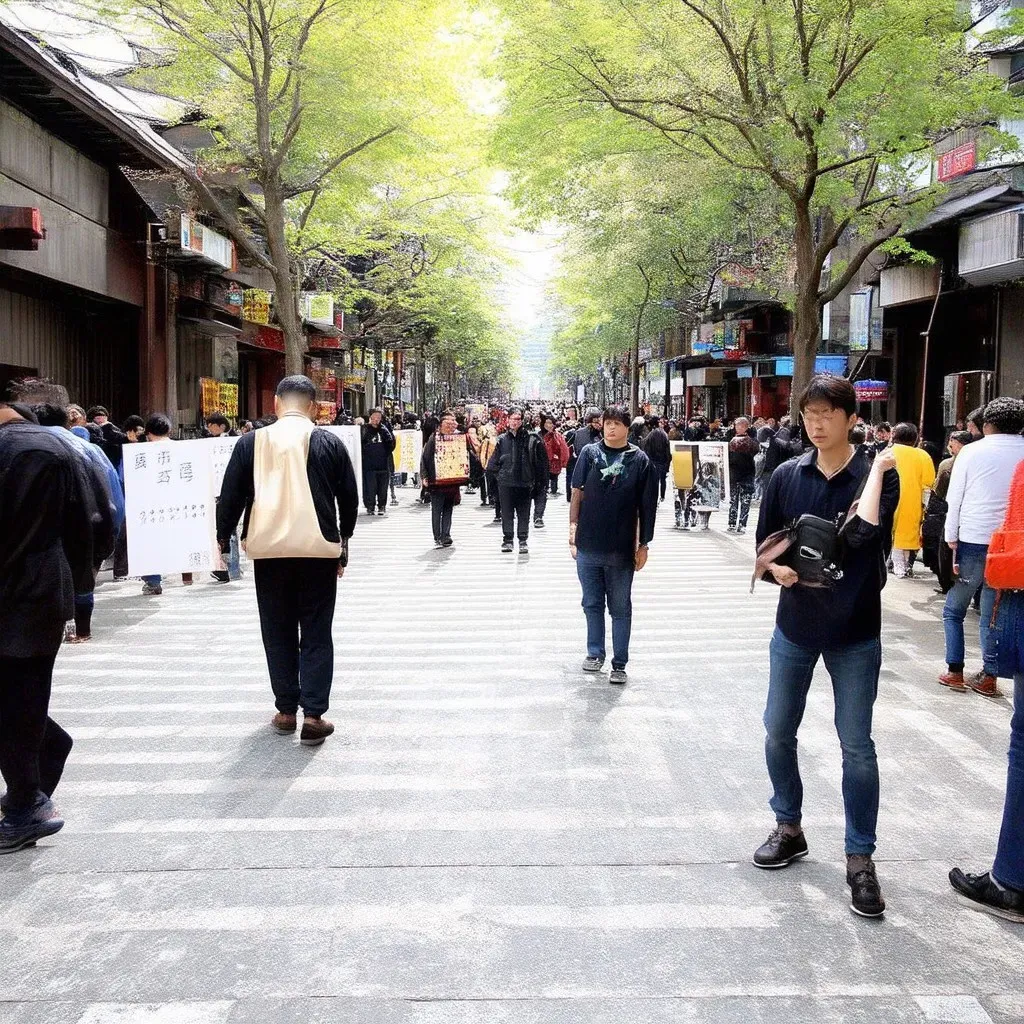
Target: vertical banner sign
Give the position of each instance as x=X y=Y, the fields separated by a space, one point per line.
x=408 y=451
x=860 y=321
x=169 y=507
x=704 y=469
x=352 y=438
x=220 y=449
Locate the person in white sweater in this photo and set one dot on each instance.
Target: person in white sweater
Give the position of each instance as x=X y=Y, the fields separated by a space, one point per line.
x=979 y=491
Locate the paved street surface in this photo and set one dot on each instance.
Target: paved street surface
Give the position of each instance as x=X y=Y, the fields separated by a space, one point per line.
x=492 y=836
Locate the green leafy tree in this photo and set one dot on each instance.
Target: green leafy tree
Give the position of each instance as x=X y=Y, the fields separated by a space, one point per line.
x=317 y=105
x=828 y=107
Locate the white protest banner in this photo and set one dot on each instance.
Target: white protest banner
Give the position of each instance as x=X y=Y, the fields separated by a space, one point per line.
x=408 y=451
x=352 y=437
x=169 y=508
x=704 y=468
x=220 y=455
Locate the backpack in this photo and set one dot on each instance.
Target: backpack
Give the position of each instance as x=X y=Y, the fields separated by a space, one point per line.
x=1004 y=567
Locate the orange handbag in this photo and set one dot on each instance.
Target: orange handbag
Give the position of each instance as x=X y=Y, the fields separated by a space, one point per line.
x=1004 y=567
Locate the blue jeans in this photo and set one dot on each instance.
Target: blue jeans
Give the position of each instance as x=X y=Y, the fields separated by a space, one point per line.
x=854 y=670
x=234 y=558
x=1009 y=865
x=612 y=585
x=971 y=559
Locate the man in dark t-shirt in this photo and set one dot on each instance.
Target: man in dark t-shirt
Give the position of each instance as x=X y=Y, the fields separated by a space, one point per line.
x=841 y=624
x=611 y=522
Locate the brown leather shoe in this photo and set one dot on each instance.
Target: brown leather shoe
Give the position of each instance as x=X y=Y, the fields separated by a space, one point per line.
x=954 y=680
x=283 y=724
x=315 y=731
x=985 y=685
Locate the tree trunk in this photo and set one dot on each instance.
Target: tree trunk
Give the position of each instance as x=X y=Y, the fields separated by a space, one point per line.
x=634 y=382
x=806 y=338
x=806 y=311
x=286 y=298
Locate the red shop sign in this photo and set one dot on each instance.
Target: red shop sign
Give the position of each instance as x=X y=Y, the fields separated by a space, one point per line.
x=958 y=161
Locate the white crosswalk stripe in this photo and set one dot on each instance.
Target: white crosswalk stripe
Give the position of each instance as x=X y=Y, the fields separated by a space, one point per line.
x=491 y=835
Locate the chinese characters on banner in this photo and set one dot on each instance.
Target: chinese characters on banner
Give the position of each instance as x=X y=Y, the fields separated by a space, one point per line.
x=353 y=441
x=220 y=449
x=169 y=507
x=408 y=451
x=451 y=458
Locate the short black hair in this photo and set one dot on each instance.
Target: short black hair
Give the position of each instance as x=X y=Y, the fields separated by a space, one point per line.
x=1005 y=414
x=133 y=423
x=836 y=391
x=372 y=411
x=961 y=436
x=217 y=419
x=96 y=410
x=618 y=414
x=977 y=416
x=515 y=410
x=158 y=425
x=49 y=415
x=297 y=384
x=23 y=410
x=858 y=435
x=904 y=433
x=592 y=413
x=885 y=425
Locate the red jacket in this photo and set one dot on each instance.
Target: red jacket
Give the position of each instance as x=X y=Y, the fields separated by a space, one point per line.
x=558 y=452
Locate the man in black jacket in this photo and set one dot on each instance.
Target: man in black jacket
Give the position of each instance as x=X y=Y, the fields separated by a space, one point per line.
x=657 y=448
x=378 y=443
x=48 y=522
x=521 y=467
x=296 y=488
x=743 y=449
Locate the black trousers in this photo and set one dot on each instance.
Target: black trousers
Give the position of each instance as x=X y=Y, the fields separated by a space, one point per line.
x=33 y=748
x=296 y=599
x=515 y=502
x=121 y=553
x=569 y=469
x=540 y=503
x=553 y=481
x=441 y=504
x=494 y=492
x=375 y=488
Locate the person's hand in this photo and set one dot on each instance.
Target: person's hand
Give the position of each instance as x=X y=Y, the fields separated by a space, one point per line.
x=341 y=570
x=884 y=460
x=784 y=575
x=572 y=549
x=641 y=557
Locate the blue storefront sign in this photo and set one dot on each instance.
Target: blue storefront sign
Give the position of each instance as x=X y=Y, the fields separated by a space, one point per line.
x=823 y=364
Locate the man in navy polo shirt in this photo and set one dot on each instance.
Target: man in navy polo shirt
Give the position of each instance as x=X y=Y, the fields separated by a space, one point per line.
x=841 y=624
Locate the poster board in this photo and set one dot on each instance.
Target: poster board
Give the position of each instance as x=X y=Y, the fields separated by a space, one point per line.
x=220 y=455
x=451 y=459
x=352 y=438
x=705 y=467
x=170 y=508
x=408 y=451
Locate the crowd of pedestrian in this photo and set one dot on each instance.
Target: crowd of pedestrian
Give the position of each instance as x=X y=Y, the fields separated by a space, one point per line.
x=842 y=506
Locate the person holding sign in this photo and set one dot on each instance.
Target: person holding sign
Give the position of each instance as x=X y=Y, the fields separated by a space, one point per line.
x=296 y=489
x=444 y=468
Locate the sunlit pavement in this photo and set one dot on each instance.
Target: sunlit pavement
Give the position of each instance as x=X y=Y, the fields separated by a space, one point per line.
x=491 y=835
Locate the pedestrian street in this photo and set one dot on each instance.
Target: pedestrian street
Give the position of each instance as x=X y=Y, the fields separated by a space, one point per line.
x=490 y=835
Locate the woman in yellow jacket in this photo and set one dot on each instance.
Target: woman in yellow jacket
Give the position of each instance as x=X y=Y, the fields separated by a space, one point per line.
x=917 y=473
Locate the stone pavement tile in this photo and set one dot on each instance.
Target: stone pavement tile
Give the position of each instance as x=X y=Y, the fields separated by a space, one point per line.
x=49 y=1012
x=1006 y=1007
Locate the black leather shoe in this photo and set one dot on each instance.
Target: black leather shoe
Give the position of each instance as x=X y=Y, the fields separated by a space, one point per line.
x=780 y=850
x=866 y=893
x=982 y=893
